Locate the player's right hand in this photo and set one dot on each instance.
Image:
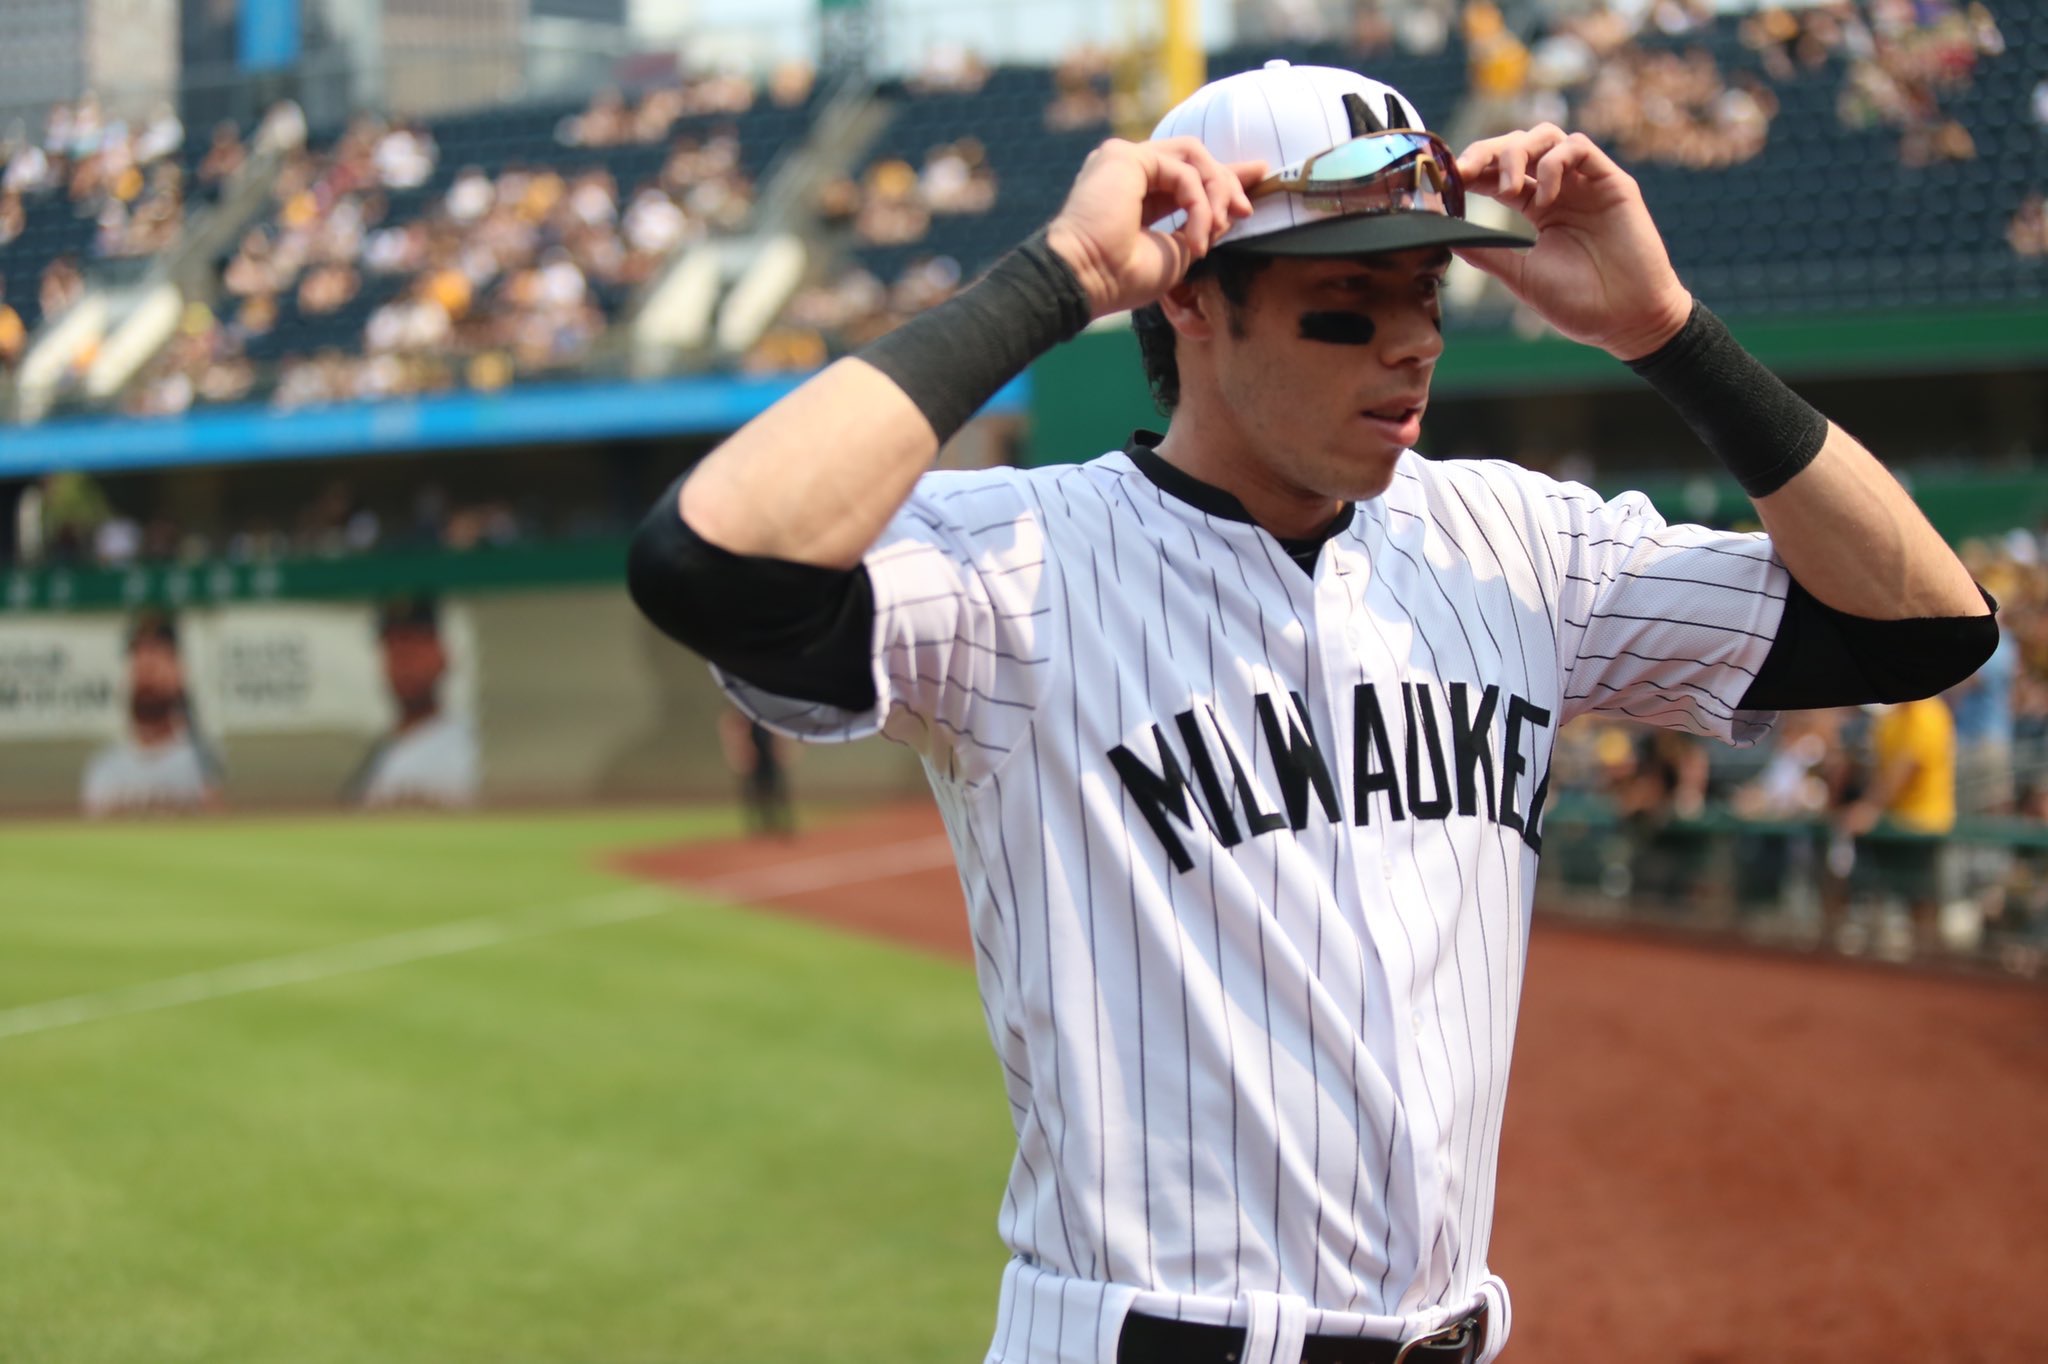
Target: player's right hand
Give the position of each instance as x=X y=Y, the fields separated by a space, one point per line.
x=1102 y=230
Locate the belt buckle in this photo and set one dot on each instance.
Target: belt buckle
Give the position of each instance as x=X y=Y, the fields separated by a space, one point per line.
x=1457 y=1335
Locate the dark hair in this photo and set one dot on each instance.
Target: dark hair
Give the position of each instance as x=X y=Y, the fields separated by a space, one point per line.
x=153 y=627
x=1233 y=271
x=418 y=611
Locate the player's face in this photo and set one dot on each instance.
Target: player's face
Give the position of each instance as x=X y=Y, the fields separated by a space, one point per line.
x=1327 y=371
x=413 y=663
x=155 y=679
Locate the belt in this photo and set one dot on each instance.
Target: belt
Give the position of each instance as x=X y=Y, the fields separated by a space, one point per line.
x=1148 y=1339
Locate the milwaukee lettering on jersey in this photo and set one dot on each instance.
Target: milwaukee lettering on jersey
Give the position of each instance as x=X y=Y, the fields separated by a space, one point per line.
x=1405 y=763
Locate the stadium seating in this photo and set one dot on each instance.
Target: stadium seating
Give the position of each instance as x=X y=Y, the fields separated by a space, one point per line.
x=1825 y=218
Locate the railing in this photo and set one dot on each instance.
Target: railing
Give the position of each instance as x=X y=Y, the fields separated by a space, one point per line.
x=1976 y=895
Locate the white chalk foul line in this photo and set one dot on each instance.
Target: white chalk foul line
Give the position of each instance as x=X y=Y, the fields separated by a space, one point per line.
x=465 y=935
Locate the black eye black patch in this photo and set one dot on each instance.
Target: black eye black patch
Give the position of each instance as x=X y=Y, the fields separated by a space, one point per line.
x=1338 y=328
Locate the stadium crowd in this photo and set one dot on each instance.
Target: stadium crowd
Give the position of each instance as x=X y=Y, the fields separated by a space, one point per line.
x=502 y=276
x=518 y=271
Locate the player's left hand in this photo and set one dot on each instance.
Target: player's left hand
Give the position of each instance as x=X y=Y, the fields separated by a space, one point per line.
x=1598 y=272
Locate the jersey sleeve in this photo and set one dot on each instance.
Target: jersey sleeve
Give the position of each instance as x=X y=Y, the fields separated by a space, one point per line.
x=1661 y=623
x=963 y=617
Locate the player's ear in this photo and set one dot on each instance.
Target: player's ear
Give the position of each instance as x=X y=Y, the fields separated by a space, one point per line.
x=1193 y=308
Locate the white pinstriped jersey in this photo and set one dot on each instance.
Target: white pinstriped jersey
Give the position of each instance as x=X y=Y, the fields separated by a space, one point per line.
x=1249 y=855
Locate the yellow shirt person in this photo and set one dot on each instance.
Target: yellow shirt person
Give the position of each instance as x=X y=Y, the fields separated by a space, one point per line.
x=1915 y=744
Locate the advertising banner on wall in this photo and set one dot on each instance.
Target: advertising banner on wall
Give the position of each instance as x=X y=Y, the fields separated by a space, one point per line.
x=61 y=678
x=161 y=694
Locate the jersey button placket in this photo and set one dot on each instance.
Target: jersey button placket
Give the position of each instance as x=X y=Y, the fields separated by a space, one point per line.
x=1349 y=649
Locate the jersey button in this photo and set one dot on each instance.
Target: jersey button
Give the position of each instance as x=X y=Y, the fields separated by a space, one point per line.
x=1416 y=1020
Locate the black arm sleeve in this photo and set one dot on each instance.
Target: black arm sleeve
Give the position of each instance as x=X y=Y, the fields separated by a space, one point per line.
x=796 y=630
x=1823 y=657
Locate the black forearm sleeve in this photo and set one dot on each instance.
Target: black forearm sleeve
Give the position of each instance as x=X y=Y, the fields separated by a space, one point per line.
x=951 y=359
x=1763 y=431
x=1824 y=657
x=796 y=630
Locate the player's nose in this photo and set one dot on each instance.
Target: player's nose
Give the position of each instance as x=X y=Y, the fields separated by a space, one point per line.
x=1412 y=338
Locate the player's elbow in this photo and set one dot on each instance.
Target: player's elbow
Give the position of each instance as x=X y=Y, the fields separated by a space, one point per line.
x=1910 y=674
x=798 y=630
x=1824 y=657
x=659 y=575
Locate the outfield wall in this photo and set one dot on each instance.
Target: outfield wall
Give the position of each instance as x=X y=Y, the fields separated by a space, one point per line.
x=569 y=694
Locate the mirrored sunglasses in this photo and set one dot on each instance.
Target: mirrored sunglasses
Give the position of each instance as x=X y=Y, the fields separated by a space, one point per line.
x=1402 y=171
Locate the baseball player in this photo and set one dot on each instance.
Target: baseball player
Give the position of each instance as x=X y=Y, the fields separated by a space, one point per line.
x=430 y=756
x=1242 y=733
x=160 y=764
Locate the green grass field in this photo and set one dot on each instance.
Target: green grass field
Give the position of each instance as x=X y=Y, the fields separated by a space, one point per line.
x=598 y=1124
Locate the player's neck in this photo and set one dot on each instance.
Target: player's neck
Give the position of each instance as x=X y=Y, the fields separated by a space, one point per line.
x=1223 y=461
x=412 y=716
x=155 y=732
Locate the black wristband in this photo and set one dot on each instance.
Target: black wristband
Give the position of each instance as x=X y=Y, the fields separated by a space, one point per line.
x=951 y=359
x=1763 y=431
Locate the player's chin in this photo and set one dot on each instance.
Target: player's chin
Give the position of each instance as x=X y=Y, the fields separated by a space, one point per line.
x=1369 y=463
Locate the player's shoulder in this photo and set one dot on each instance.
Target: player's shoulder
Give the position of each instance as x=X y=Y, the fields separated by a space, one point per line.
x=110 y=758
x=1502 y=488
x=970 y=500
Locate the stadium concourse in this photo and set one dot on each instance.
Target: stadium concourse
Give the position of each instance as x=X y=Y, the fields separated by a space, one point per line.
x=1752 y=1213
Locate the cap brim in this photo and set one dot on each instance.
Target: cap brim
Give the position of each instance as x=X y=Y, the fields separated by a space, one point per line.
x=1363 y=234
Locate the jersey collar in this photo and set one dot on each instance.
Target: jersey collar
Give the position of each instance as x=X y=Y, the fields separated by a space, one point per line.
x=1207 y=497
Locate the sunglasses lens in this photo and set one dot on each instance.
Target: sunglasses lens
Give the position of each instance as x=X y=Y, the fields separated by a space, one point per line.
x=1362 y=158
x=1387 y=173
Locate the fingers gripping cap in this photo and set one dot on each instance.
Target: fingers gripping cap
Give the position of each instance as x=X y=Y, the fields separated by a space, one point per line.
x=1283 y=114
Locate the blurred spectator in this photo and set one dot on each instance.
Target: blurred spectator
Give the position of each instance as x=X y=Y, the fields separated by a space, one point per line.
x=1794 y=781
x=785 y=348
x=1422 y=28
x=653 y=227
x=62 y=286
x=1982 y=708
x=1497 y=73
x=74 y=508
x=949 y=68
x=1080 y=91
x=224 y=157
x=790 y=83
x=1912 y=790
x=1662 y=776
x=2028 y=230
x=13 y=335
x=1372 y=32
x=327 y=287
x=957 y=178
x=606 y=122
x=891 y=211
